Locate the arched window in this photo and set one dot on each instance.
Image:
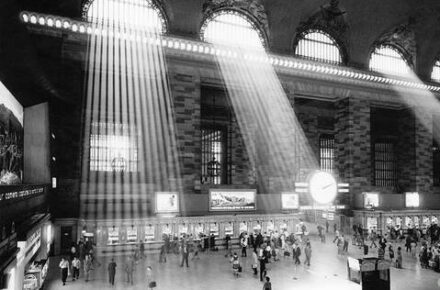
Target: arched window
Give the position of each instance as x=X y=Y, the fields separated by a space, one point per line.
x=126 y=13
x=318 y=45
x=387 y=59
x=231 y=28
x=435 y=75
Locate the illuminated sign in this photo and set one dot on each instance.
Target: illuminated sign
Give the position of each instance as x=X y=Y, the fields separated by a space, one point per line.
x=412 y=199
x=289 y=200
x=322 y=207
x=371 y=199
x=232 y=199
x=21 y=193
x=149 y=233
x=167 y=202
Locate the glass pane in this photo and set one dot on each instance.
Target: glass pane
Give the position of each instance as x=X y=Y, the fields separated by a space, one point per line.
x=318 y=46
x=387 y=59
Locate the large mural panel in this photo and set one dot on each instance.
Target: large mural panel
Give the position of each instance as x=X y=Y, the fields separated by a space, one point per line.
x=11 y=138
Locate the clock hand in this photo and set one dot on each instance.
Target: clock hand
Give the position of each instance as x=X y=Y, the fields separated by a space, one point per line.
x=327 y=186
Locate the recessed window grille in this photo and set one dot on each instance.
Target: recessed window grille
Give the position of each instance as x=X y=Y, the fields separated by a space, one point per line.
x=233 y=29
x=384 y=164
x=387 y=59
x=212 y=156
x=319 y=46
x=113 y=148
x=327 y=152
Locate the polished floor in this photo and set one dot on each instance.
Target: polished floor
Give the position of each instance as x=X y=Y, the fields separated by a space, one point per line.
x=213 y=271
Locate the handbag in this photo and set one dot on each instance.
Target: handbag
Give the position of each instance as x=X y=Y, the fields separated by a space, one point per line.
x=152 y=284
x=240 y=269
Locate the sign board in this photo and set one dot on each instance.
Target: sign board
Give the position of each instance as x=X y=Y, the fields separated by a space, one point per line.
x=232 y=199
x=371 y=199
x=289 y=200
x=167 y=202
x=412 y=199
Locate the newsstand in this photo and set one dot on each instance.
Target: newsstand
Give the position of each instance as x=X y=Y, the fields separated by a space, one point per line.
x=372 y=273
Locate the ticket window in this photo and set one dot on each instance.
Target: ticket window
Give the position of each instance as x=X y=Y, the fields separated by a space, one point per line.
x=229 y=229
x=416 y=221
x=434 y=220
x=257 y=227
x=132 y=235
x=389 y=222
x=409 y=222
x=166 y=230
x=243 y=227
x=199 y=230
x=113 y=236
x=183 y=230
x=214 y=229
x=270 y=227
x=149 y=233
x=372 y=224
x=398 y=223
x=283 y=227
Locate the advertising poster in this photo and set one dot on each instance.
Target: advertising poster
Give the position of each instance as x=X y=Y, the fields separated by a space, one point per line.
x=149 y=233
x=289 y=200
x=11 y=138
x=167 y=202
x=232 y=199
x=371 y=199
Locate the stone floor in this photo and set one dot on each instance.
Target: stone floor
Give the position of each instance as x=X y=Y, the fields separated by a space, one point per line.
x=213 y=271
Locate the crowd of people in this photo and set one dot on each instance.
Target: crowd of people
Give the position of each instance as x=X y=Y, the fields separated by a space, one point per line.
x=266 y=248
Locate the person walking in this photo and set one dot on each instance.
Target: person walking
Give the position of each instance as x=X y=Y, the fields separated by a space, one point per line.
x=243 y=244
x=308 y=253
x=163 y=254
x=64 y=266
x=262 y=267
x=235 y=264
x=267 y=285
x=255 y=262
x=184 y=253
x=87 y=267
x=142 y=250
x=399 y=258
x=150 y=280
x=297 y=255
x=391 y=252
x=326 y=226
x=111 y=272
x=129 y=269
x=76 y=265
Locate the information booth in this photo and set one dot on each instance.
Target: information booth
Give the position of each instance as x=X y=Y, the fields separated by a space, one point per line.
x=372 y=273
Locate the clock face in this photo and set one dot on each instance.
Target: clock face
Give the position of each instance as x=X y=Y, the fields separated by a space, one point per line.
x=323 y=187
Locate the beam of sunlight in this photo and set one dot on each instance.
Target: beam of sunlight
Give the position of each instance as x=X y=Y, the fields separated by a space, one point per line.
x=273 y=137
x=130 y=148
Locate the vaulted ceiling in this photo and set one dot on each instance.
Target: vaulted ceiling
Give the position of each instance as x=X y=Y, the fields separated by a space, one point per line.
x=366 y=21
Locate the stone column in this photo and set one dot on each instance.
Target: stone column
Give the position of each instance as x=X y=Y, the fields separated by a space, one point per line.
x=423 y=151
x=353 y=145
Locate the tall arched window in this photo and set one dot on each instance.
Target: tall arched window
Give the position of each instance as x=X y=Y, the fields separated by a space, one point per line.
x=318 y=45
x=388 y=59
x=231 y=28
x=435 y=75
x=126 y=13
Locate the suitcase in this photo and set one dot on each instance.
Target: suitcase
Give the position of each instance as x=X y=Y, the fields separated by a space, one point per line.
x=287 y=254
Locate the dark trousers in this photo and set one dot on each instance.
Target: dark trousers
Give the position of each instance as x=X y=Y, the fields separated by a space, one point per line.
x=64 y=272
x=243 y=251
x=184 y=259
x=75 y=273
x=297 y=261
x=262 y=270
x=111 y=277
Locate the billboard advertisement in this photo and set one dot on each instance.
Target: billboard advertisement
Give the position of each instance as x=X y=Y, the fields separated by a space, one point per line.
x=232 y=199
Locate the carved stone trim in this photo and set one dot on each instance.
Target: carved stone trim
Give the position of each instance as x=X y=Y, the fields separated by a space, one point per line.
x=252 y=10
x=403 y=39
x=329 y=19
